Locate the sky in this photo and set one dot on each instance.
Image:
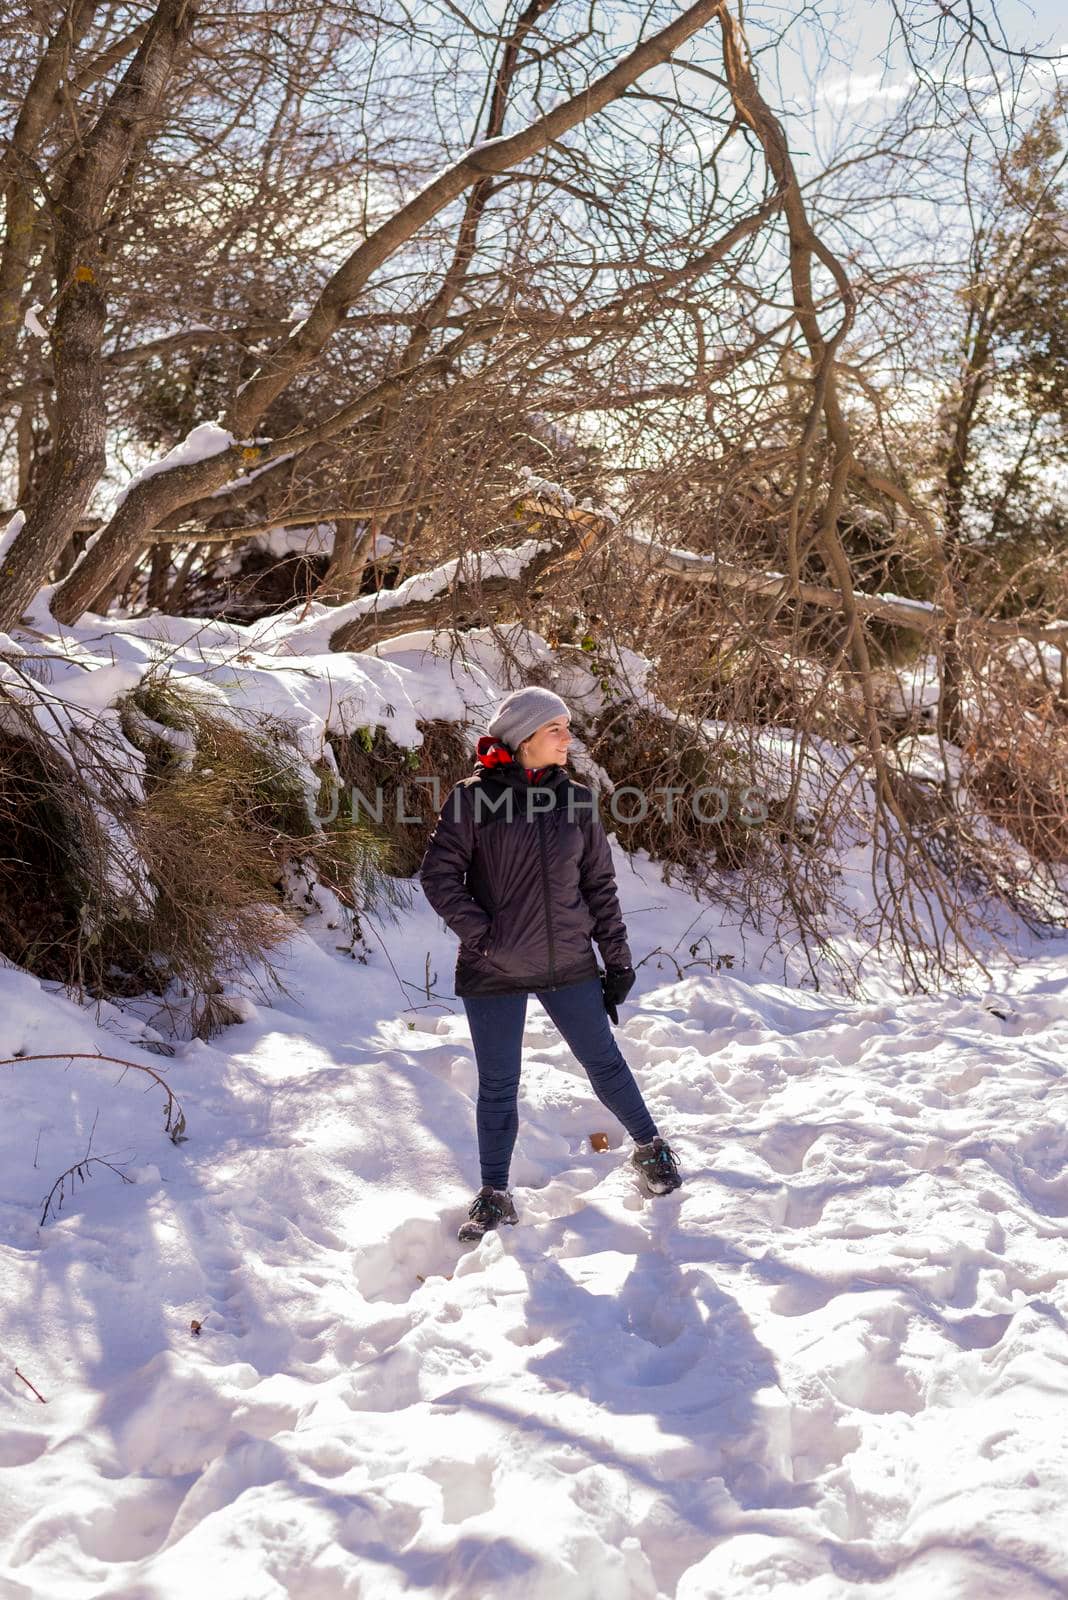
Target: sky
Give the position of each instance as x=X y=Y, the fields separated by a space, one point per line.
x=845 y=62
x=859 y=32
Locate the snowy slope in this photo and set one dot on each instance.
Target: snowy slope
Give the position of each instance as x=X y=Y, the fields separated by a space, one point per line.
x=835 y=1364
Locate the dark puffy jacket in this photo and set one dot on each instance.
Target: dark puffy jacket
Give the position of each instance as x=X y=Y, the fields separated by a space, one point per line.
x=523 y=876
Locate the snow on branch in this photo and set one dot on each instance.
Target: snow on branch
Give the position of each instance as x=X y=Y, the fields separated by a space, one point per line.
x=922 y=615
x=359 y=620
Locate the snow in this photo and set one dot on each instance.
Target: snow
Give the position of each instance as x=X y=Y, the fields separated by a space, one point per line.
x=206 y=439
x=835 y=1360
x=11 y=531
x=546 y=488
x=322 y=621
x=250 y=477
x=1028 y=654
x=905 y=600
x=314 y=540
x=411 y=195
x=32 y=322
x=307 y=540
x=834 y=1364
x=695 y=559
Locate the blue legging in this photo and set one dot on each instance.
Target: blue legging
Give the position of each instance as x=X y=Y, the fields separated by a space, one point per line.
x=496 y=1022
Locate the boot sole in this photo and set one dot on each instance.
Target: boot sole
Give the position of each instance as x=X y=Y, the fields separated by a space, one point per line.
x=646 y=1188
x=473 y=1238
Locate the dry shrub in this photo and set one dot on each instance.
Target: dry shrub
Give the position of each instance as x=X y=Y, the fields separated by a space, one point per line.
x=744 y=679
x=116 y=897
x=1022 y=784
x=47 y=837
x=955 y=857
x=388 y=777
x=639 y=748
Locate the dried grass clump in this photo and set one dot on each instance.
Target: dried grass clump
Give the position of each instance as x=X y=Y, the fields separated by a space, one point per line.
x=389 y=778
x=639 y=748
x=47 y=839
x=236 y=798
x=116 y=883
x=1022 y=782
x=216 y=886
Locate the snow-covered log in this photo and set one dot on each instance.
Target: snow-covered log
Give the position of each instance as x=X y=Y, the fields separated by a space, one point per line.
x=436 y=598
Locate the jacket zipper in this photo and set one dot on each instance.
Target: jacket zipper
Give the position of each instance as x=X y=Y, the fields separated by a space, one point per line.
x=548 y=908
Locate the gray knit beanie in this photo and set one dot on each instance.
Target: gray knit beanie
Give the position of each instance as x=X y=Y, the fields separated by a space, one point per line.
x=522 y=713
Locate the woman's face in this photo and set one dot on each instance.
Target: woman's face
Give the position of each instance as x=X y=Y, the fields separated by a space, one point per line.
x=548 y=745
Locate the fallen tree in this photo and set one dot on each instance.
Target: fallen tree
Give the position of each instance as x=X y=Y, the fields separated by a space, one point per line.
x=499 y=581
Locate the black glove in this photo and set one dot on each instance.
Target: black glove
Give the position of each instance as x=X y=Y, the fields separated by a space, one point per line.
x=616 y=984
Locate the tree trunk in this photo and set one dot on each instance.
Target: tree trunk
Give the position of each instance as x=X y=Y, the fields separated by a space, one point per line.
x=78 y=450
x=348 y=559
x=20 y=188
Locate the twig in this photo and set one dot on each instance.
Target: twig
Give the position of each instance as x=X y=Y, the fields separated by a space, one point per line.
x=404 y=982
x=80 y=1169
x=30 y=1386
x=174 y=1122
x=659 y=952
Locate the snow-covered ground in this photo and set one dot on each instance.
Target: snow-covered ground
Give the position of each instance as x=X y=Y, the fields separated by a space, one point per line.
x=834 y=1364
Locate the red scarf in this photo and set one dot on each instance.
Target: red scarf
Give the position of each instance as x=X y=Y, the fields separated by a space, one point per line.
x=492 y=753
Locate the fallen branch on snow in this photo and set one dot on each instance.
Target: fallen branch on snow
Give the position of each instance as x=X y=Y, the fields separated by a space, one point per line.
x=174 y=1123
x=80 y=1169
x=32 y=1388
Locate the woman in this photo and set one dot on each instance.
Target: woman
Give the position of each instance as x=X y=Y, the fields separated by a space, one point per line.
x=519 y=868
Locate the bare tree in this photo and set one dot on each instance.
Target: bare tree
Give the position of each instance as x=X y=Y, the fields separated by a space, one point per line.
x=161 y=494
x=108 y=154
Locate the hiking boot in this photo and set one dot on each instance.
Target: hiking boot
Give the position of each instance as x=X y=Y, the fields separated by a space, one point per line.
x=489 y=1209
x=656 y=1166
